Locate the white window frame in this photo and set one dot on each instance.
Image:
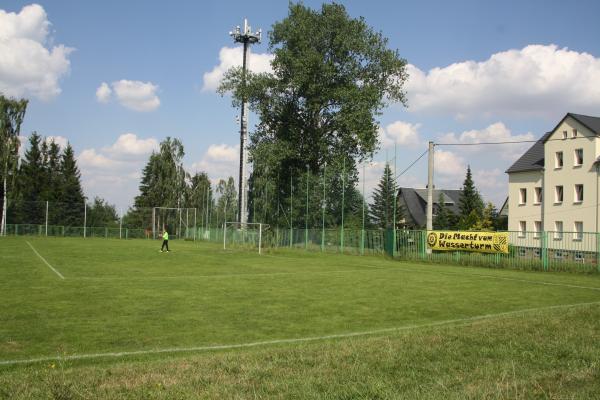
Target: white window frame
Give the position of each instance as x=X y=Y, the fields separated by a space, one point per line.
x=522 y=228
x=559 y=160
x=522 y=196
x=577 y=161
x=578 y=231
x=578 y=194
x=558 y=230
x=537 y=229
x=537 y=195
x=559 y=189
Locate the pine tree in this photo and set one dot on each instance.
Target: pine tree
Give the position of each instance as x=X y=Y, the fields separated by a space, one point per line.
x=470 y=203
x=70 y=188
x=31 y=184
x=444 y=219
x=384 y=195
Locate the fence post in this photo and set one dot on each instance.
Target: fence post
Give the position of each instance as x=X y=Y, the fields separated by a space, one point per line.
x=84 y=218
x=545 y=251
x=598 y=251
x=46 y=218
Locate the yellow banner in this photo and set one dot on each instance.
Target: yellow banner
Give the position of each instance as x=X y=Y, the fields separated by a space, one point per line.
x=482 y=242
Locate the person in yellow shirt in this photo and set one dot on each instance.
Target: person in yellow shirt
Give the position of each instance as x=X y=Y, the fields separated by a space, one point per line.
x=165 y=242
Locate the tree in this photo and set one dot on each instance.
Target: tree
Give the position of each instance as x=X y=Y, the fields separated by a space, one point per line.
x=70 y=188
x=31 y=184
x=444 y=219
x=486 y=223
x=384 y=195
x=200 y=196
x=163 y=183
x=100 y=213
x=227 y=203
x=12 y=113
x=332 y=75
x=470 y=203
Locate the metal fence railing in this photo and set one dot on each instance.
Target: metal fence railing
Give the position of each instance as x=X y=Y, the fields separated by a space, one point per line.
x=543 y=251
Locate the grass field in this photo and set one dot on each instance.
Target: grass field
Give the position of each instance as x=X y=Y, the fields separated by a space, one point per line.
x=103 y=318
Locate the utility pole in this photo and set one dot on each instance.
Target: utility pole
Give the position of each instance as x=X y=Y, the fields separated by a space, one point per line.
x=430 y=188
x=247 y=38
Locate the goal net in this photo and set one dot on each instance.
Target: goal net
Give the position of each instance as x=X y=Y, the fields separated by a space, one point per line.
x=179 y=222
x=248 y=235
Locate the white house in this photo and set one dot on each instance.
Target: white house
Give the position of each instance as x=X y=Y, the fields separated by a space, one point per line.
x=554 y=186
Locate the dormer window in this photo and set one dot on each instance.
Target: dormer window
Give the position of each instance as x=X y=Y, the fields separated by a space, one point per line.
x=574 y=133
x=564 y=134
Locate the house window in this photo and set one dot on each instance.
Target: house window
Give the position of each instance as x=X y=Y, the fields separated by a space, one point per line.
x=558 y=194
x=574 y=133
x=564 y=134
x=579 y=256
x=558 y=159
x=522 y=196
x=578 y=194
x=538 y=195
x=522 y=228
x=578 y=157
x=537 y=229
x=558 y=230
x=578 y=228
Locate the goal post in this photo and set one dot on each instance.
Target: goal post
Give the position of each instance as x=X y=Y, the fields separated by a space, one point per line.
x=249 y=234
x=180 y=222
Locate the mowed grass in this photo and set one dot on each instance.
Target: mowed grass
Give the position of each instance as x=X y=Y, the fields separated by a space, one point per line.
x=129 y=321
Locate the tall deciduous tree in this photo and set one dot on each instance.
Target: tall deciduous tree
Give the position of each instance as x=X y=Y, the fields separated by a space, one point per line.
x=101 y=213
x=470 y=203
x=12 y=113
x=384 y=195
x=227 y=203
x=332 y=75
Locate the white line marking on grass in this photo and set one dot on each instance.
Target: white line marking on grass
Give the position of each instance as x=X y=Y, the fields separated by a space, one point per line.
x=44 y=260
x=295 y=340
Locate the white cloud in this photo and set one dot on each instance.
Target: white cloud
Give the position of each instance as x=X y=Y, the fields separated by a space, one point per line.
x=103 y=93
x=136 y=95
x=399 y=132
x=129 y=145
x=231 y=57
x=449 y=164
x=28 y=66
x=535 y=80
x=113 y=172
x=219 y=162
x=59 y=140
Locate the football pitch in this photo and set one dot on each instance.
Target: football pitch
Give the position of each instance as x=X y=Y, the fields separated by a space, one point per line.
x=201 y=321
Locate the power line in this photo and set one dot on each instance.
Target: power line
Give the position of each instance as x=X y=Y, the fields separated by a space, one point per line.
x=411 y=165
x=508 y=142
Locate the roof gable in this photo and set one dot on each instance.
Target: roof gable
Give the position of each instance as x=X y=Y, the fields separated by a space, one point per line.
x=532 y=159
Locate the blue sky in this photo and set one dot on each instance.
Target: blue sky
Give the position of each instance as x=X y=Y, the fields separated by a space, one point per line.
x=480 y=71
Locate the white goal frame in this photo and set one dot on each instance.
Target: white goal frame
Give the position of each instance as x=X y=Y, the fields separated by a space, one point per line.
x=182 y=219
x=242 y=226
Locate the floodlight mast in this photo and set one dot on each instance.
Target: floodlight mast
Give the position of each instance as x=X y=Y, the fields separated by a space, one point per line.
x=247 y=38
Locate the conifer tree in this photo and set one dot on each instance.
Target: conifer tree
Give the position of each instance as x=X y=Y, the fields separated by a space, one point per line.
x=445 y=219
x=31 y=185
x=470 y=203
x=384 y=195
x=70 y=189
